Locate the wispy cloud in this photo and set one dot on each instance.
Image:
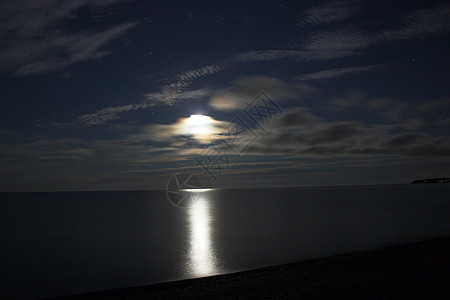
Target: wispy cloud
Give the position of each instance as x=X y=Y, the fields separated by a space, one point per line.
x=31 y=18
x=414 y=24
x=266 y=55
x=168 y=94
x=420 y=22
x=297 y=55
x=75 y=48
x=338 y=40
x=338 y=72
x=108 y=114
x=331 y=12
x=174 y=92
x=111 y=113
x=33 y=41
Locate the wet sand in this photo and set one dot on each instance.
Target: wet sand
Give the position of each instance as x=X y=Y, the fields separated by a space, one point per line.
x=420 y=269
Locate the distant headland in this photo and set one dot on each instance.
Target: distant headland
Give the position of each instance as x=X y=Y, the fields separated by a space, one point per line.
x=432 y=180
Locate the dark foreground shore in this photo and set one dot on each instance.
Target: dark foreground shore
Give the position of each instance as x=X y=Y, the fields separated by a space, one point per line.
x=420 y=269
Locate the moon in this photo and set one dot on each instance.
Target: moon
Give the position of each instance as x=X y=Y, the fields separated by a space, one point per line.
x=199 y=126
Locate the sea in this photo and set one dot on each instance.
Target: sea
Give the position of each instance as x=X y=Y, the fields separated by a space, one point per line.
x=63 y=243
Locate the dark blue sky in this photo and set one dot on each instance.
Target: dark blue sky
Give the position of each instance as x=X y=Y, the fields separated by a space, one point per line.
x=97 y=94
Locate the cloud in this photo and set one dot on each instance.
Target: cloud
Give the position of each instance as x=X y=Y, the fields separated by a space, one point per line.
x=182 y=131
x=34 y=41
x=338 y=40
x=408 y=115
x=245 y=89
x=351 y=99
x=414 y=24
x=331 y=12
x=107 y=114
x=298 y=55
x=125 y=149
x=396 y=111
x=266 y=55
x=169 y=94
x=74 y=48
x=437 y=105
x=300 y=133
x=111 y=113
x=199 y=72
x=337 y=72
x=420 y=22
x=296 y=117
x=378 y=103
x=30 y=18
x=173 y=92
x=413 y=124
x=389 y=109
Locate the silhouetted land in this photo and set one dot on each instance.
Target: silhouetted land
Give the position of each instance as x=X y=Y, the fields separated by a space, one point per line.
x=420 y=269
x=432 y=180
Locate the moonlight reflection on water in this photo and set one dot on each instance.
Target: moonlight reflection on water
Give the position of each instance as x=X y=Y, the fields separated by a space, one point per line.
x=202 y=260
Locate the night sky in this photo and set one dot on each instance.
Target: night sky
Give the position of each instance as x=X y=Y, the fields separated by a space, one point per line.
x=97 y=94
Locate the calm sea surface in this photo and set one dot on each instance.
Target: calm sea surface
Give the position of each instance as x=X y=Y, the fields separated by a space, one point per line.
x=56 y=244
